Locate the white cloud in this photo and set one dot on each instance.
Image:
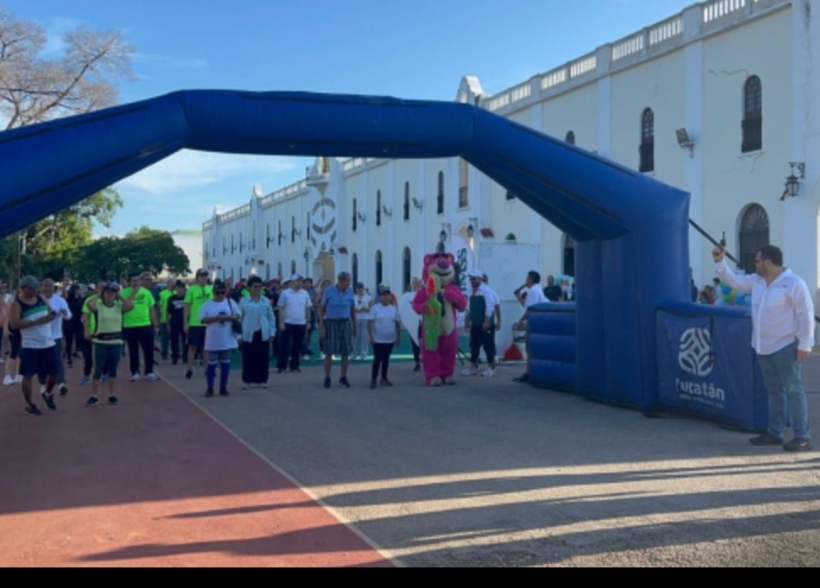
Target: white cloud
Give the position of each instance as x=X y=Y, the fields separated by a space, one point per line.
x=195 y=169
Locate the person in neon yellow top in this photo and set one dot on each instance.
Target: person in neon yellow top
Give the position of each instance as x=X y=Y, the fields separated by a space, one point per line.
x=195 y=298
x=89 y=326
x=164 y=338
x=110 y=310
x=140 y=327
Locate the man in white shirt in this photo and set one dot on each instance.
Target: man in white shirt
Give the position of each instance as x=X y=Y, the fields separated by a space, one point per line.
x=294 y=313
x=532 y=295
x=782 y=336
x=59 y=305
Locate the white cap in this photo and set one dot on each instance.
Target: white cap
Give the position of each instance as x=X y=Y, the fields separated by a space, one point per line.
x=475 y=273
x=295 y=277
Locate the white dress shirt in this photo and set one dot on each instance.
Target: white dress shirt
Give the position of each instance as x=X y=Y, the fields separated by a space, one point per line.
x=781 y=311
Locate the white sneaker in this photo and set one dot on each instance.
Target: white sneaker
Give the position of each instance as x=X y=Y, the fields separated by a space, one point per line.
x=42 y=389
x=488 y=373
x=469 y=372
x=18 y=379
x=152 y=377
x=135 y=378
x=8 y=381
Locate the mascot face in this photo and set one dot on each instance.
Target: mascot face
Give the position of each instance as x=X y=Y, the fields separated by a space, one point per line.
x=442 y=265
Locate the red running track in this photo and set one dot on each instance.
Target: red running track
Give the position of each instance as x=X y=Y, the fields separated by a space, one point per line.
x=151 y=482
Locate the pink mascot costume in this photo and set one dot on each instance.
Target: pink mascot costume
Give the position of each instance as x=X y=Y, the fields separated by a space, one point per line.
x=438 y=304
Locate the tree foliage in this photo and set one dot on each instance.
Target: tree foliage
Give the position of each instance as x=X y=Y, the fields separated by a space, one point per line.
x=142 y=250
x=34 y=88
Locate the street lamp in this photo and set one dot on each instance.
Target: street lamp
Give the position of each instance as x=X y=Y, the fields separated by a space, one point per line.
x=793 y=181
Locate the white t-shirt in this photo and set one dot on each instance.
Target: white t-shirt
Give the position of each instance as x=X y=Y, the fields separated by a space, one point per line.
x=294 y=304
x=219 y=336
x=384 y=323
x=535 y=295
x=58 y=304
x=362 y=304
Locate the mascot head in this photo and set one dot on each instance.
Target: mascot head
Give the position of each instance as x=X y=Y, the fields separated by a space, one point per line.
x=442 y=265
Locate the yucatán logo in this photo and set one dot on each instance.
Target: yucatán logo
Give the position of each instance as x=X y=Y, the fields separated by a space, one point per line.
x=696 y=358
x=696 y=352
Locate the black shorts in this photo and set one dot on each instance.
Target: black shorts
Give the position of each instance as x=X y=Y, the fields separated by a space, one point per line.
x=196 y=337
x=15 y=343
x=39 y=362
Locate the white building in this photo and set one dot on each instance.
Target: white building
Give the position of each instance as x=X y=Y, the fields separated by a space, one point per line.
x=716 y=100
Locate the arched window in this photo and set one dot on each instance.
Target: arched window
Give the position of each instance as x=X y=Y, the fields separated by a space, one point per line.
x=647 y=149
x=463 y=184
x=233 y=245
x=308 y=226
x=279 y=270
x=406 y=200
x=241 y=244
x=379 y=208
x=570 y=138
x=292 y=267
x=281 y=235
x=355 y=271
x=293 y=229
x=440 y=196
x=754 y=234
x=510 y=238
x=267 y=236
x=355 y=214
x=407 y=269
x=752 y=115
x=378 y=269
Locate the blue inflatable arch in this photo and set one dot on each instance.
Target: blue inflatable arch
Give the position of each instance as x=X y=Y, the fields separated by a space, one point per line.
x=631 y=231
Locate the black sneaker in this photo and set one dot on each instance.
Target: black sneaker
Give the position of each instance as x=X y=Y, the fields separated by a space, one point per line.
x=386 y=382
x=49 y=400
x=417 y=368
x=63 y=389
x=522 y=379
x=92 y=401
x=765 y=439
x=209 y=393
x=113 y=400
x=373 y=384
x=224 y=392
x=32 y=410
x=344 y=383
x=327 y=382
x=796 y=445
x=189 y=374
x=295 y=371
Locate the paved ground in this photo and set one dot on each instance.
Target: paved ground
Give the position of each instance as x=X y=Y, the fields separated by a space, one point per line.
x=483 y=474
x=152 y=482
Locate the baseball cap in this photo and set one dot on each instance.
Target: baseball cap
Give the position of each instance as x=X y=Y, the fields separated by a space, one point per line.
x=475 y=274
x=29 y=282
x=201 y=272
x=384 y=289
x=179 y=284
x=112 y=286
x=295 y=277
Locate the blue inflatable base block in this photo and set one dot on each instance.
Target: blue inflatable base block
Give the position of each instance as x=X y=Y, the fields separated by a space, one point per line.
x=553 y=347
x=707 y=367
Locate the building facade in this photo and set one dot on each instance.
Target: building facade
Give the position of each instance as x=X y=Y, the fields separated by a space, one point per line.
x=716 y=100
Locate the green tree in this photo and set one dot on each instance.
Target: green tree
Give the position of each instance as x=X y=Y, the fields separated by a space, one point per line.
x=142 y=250
x=35 y=88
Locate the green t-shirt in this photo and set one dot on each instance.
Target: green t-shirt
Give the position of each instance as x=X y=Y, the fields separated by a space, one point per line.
x=195 y=298
x=92 y=320
x=164 y=296
x=144 y=302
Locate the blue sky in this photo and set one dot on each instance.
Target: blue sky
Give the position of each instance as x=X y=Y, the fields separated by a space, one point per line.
x=405 y=48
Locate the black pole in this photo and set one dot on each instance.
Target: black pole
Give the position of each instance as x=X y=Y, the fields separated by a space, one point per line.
x=700 y=230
